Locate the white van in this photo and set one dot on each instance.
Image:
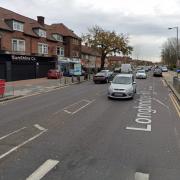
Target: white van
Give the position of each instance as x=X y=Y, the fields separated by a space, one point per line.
x=126 y=68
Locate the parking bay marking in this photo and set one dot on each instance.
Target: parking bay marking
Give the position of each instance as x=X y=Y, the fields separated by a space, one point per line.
x=14 y=132
x=22 y=144
x=43 y=170
x=67 y=109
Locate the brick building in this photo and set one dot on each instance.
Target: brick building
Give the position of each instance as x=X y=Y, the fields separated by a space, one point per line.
x=28 y=48
x=90 y=58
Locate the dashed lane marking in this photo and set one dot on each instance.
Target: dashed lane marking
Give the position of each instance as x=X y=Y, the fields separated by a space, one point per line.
x=43 y=170
x=141 y=176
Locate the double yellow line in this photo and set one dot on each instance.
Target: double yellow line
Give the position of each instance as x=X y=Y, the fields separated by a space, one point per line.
x=175 y=103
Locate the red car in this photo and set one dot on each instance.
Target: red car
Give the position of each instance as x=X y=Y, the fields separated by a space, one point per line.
x=53 y=74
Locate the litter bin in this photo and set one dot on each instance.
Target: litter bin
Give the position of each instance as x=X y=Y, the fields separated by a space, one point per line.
x=2 y=87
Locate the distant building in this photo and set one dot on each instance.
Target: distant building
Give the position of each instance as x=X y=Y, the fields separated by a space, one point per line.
x=90 y=58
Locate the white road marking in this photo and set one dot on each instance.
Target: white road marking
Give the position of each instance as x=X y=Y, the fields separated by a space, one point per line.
x=14 y=132
x=164 y=84
x=83 y=107
x=39 y=127
x=148 y=128
x=22 y=144
x=160 y=102
x=141 y=176
x=67 y=111
x=43 y=170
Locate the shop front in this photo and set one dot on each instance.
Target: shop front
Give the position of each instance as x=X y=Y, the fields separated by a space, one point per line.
x=21 y=67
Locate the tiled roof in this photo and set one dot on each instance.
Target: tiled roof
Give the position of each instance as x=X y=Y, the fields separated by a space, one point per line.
x=89 y=51
x=63 y=30
x=30 y=24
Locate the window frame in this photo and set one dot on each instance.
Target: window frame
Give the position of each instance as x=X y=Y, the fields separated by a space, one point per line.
x=44 y=48
x=18 y=48
x=18 y=26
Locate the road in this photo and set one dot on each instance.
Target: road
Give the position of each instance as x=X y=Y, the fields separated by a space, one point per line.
x=77 y=133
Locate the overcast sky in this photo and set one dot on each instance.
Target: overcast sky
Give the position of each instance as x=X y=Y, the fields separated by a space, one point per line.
x=145 y=21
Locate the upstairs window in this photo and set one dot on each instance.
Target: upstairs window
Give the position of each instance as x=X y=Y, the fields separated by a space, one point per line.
x=60 y=51
x=75 y=54
x=18 y=26
x=42 y=48
x=75 y=41
x=58 y=37
x=42 y=33
x=18 y=45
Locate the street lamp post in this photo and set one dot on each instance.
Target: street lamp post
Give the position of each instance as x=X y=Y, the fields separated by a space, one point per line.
x=177 y=43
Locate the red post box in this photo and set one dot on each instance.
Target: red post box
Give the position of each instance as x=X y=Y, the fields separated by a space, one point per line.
x=2 y=87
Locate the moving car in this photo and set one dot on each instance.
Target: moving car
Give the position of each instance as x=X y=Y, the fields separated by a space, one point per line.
x=126 y=68
x=101 y=77
x=122 y=86
x=53 y=74
x=141 y=74
x=157 y=72
x=164 y=69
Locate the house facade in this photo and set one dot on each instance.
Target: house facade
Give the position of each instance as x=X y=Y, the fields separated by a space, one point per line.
x=29 y=48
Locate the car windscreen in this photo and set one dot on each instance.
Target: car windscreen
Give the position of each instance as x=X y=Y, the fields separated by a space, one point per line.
x=141 y=71
x=122 y=80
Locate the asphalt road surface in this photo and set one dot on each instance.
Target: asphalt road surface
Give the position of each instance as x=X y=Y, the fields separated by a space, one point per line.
x=77 y=133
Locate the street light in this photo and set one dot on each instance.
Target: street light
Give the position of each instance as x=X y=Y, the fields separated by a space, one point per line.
x=177 y=46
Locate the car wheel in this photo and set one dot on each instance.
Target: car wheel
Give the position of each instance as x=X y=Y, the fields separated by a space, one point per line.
x=135 y=91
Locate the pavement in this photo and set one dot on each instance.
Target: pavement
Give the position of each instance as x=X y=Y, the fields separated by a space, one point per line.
x=168 y=77
x=30 y=87
x=77 y=133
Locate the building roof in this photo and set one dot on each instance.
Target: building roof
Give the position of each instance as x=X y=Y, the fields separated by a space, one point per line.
x=90 y=51
x=63 y=30
x=119 y=58
x=30 y=24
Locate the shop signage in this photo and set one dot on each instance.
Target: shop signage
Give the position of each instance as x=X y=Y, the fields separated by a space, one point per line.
x=23 y=58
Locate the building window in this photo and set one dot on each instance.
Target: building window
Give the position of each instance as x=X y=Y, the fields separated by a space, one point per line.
x=42 y=33
x=60 y=51
x=18 y=45
x=75 y=53
x=18 y=26
x=75 y=41
x=42 y=48
x=58 y=37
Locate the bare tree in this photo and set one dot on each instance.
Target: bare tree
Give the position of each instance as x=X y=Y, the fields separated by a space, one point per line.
x=169 y=52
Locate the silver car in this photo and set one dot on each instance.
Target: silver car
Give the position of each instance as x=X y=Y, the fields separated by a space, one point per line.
x=123 y=86
x=141 y=74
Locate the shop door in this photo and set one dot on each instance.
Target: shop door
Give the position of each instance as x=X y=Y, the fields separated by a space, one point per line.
x=2 y=71
x=23 y=71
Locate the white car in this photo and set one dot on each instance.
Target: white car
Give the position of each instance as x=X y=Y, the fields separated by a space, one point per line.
x=122 y=86
x=141 y=74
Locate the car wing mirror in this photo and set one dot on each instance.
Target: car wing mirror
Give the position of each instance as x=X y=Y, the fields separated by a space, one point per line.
x=134 y=82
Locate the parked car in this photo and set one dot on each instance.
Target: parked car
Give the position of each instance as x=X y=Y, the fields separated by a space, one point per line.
x=101 y=77
x=141 y=74
x=157 y=72
x=108 y=72
x=164 y=69
x=122 y=86
x=53 y=74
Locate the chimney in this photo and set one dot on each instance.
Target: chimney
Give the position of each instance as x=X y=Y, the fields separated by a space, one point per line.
x=40 y=20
